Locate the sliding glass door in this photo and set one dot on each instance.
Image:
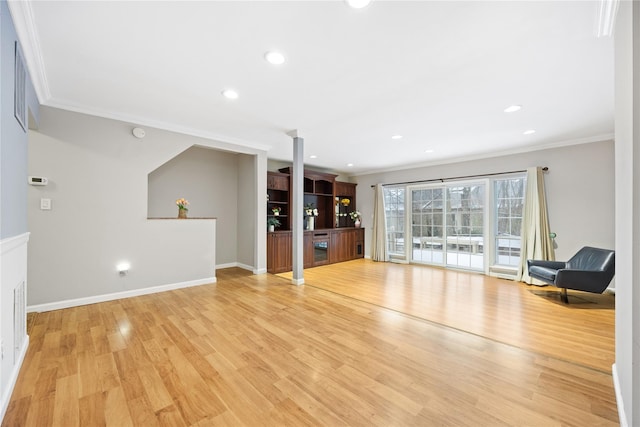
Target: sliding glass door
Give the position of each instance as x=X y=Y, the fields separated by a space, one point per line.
x=427 y=225
x=394 y=201
x=448 y=225
x=465 y=226
x=454 y=224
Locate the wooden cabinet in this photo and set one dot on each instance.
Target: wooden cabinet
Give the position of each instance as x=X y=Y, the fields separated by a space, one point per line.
x=277 y=181
x=320 y=247
x=335 y=239
x=318 y=193
x=359 y=243
x=279 y=252
x=344 y=245
x=345 y=202
x=278 y=199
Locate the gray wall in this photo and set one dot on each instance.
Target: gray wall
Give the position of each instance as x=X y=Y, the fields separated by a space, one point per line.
x=13 y=139
x=208 y=179
x=247 y=206
x=98 y=176
x=579 y=184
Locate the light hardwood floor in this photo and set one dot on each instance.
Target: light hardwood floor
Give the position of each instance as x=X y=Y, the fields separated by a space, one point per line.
x=529 y=317
x=256 y=351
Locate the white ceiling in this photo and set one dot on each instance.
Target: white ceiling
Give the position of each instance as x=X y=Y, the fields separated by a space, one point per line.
x=438 y=73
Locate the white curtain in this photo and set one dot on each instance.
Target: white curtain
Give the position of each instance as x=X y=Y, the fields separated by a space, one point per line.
x=379 y=232
x=535 y=239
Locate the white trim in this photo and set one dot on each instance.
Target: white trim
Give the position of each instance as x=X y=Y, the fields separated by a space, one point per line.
x=6 y=397
x=238 y=145
x=118 y=295
x=367 y=257
x=227 y=265
x=11 y=243
x=622 y=417
x=239 y=265
x=22 y=16
x=607 y=17
x=259 y=271
x=492 y=154
x=245 y=266
x=297 y=282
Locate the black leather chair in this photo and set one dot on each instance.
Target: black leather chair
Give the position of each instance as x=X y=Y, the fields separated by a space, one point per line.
x=589 y=270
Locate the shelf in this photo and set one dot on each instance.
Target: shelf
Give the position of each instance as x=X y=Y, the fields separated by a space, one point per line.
x=275 y=202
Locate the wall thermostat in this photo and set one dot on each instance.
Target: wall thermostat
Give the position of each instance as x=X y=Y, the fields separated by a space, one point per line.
x=38 y=180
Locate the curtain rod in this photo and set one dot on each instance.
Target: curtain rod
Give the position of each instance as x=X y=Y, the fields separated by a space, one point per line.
x=456 y=177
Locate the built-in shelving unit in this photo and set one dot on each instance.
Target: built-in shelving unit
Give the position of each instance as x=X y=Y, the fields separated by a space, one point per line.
x=334 y=239
x=278 y=198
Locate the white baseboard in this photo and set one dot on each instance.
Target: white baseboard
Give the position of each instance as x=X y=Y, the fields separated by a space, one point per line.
x=227 y=265
x=239 y=265
x=297 y=282
x=6 y=396
x=260 y=271
x=616 y=386
x=117 y=295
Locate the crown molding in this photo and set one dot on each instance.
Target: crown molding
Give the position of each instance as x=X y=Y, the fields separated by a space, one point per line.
x=22 y=16
x=488 y=155
x=223 y=142
x=607 y=17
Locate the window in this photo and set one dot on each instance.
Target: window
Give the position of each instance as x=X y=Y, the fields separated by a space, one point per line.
x=458 y=224
x=465 y=226
x=447 y=225
x=394 y=219
x=509 y=204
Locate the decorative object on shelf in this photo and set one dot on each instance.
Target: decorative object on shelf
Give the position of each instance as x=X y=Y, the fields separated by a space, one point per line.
x=355 y=216
x=311 y=214
x=273 y=223
x=309 y=210
x=182 y=208
x=276 y=210
x=345 y=202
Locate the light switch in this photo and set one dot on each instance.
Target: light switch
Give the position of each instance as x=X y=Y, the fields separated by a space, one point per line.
x=45 y=204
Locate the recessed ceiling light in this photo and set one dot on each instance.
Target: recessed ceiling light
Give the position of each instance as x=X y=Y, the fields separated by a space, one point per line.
x=275 y=58
x=230 y=94
x=358 y=4
x=512 y=108
x=349 y=165
x=313 y=156
x=396 y=137
x=429 y=151
x=529 y=132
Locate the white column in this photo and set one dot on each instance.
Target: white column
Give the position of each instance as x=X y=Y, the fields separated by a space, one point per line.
x=626 y=370
x=296 y=211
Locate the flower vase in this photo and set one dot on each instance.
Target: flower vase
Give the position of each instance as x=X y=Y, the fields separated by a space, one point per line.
x=311 y=222
x=357 y=223
x=276 y=213
x=272 y=228
x=182 y=213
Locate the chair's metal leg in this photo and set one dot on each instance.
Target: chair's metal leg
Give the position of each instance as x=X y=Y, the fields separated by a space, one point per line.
x=564 y=297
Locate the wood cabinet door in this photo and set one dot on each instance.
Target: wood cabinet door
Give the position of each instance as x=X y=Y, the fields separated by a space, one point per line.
x=345 y=189
x=279 y=252
x=307 y=250
x=342 y=245
x=277 y=182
